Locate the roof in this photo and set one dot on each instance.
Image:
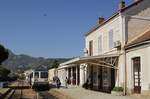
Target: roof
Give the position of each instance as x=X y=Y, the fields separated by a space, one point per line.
x=99 y=25
x=142 y=38
x=41 y=68
x=114 y=15
x=84 y=59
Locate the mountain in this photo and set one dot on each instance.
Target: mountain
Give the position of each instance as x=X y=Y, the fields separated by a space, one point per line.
x=22 y=61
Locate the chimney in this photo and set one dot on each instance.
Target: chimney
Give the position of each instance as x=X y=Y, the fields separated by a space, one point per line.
x=122 y=4
x=100 y=20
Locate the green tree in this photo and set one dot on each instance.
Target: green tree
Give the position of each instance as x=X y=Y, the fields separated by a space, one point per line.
x=55 y=64
x=4 y=74
x=3 y=53
x=4 y=71
x=3 y=56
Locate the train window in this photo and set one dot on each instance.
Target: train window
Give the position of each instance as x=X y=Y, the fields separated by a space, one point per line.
x=44 y=75
x=36 y=74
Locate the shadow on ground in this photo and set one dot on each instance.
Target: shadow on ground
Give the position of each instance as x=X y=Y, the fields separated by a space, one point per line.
x=44 y=92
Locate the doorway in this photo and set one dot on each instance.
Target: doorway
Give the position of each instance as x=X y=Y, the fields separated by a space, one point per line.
x=100 y=78
x=137 y=74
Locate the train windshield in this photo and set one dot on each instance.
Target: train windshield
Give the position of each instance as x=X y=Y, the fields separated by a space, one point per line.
x=36 y=74
x=44 y=75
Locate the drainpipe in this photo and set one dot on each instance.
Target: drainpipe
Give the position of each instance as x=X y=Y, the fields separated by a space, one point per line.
x=125 y=73
x=124 y=31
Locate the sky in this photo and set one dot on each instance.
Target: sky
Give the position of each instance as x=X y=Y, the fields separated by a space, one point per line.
x=50 y=28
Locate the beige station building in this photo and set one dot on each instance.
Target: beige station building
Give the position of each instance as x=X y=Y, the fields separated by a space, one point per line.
x=116 y=54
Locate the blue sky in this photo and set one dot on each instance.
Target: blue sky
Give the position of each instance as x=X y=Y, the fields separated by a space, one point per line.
x=50 y=28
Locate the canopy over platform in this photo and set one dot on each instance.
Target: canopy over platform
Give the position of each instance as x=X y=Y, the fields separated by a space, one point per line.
x=105 y=60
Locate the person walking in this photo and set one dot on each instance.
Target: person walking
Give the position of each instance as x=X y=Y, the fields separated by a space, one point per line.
x=58 y=83
x=54 y=80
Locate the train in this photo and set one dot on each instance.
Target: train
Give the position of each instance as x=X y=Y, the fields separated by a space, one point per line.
x=39 y=78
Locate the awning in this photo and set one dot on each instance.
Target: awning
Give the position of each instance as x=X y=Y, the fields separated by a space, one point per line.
x=105 y=60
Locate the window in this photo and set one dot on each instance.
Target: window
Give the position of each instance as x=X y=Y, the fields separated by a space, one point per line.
x=91 y=48
x=36 y=74
x=111 y=42
x=136 y=64
x=100 y=44
x=44 y=74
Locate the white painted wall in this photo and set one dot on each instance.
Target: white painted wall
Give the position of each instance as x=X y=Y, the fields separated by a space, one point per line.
x=115 y=25
x=144 y=53
x=62 y=74
x=51 y=74
x=118 y=26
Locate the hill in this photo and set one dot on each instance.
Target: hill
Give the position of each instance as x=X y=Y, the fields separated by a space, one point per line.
x=15 y=62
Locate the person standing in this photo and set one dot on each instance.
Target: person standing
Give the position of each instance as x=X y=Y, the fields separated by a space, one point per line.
x=66 y=82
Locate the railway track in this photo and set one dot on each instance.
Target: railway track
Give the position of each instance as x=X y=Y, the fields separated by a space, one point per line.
x=20 y=91
x=16 y=92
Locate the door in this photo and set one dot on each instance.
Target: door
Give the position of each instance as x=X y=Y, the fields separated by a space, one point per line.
x=91 y=48
x=69 y=75
x=91 y=74
x=137 y=74
x=78 y=75
x=106 y=77
x=74 y=76
x=100 y=78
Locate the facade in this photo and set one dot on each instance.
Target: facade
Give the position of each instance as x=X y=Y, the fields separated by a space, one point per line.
x=51 y=74
x=27 y=74
x=107 y=64
x=71 y=72
x=137 y=56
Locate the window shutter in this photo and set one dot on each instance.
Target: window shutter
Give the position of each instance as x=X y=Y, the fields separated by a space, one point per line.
x=100 y=44
x=111 y=42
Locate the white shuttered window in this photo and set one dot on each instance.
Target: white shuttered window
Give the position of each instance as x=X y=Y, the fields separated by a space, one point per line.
x=100 y=44
x=111 y=41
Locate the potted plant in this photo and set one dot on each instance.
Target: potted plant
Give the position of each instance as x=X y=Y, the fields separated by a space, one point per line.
x=117 y=91
x=85 y=85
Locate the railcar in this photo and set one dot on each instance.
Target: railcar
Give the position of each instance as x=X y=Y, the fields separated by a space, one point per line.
x=39 y=78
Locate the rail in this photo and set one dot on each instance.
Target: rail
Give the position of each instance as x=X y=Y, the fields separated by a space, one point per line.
x=19 y=89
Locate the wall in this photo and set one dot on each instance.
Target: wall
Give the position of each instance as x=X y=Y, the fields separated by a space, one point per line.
x=114 y=25
x=62 y=74
x=144 y=53
x=117 y=26
x=51 y=74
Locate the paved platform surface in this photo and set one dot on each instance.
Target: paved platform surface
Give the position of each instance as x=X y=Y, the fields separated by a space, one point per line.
x=80 y=93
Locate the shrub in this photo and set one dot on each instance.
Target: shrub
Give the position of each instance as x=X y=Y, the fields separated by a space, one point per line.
x=85 y=85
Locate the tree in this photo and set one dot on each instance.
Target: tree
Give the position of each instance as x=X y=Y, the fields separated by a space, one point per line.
x=55 y=64
x=4 y=72
x=3 y=54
